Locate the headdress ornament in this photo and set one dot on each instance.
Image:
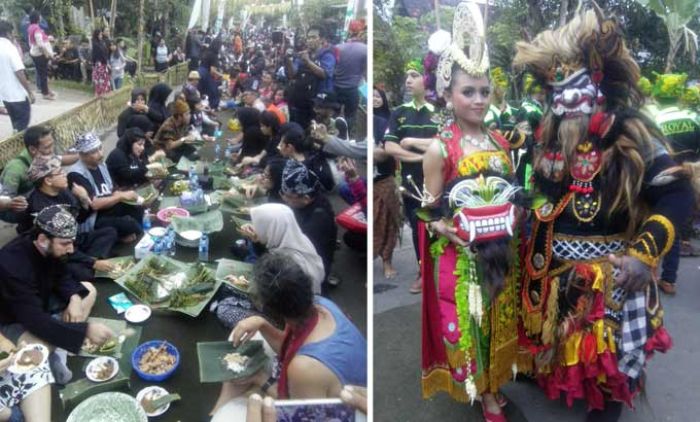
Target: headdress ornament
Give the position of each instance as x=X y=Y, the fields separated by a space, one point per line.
x=467 y=48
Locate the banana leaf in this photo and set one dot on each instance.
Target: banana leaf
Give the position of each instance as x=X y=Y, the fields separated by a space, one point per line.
x=208 y=222
x=232 y=267
x=171 y=284
x=148 y=192
x=221 y=182
x=213 y=368
x=121 y=264
x=77 y=391
x=117 y=326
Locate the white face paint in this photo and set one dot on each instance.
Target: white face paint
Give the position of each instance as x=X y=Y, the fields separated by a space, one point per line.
x=574 y=96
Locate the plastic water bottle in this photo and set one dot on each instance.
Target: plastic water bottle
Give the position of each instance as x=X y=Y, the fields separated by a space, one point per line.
x=217 y=151
x=199 y=196
x=170 y=241
x=204 y=248
x=146 y=221
x=228 y=152
x=158 y=247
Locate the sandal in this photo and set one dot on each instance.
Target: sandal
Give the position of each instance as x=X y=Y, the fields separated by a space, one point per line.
x=492 y=417
x=501 y=399
x=416 y=288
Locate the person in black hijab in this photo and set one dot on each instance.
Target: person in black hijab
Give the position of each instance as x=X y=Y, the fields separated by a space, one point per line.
x=253 y=141
x=136 y=107
x=158 y=112
x=127 y=162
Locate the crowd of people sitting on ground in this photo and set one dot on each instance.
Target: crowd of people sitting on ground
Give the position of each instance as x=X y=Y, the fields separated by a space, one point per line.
x=288 y=133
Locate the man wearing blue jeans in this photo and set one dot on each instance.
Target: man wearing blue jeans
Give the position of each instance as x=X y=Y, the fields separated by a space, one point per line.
x=15 y=91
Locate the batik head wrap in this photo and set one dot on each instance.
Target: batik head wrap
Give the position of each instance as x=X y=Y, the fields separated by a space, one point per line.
x=87 y=142
x=297 y=179
x=42 y=166
x=57 y=221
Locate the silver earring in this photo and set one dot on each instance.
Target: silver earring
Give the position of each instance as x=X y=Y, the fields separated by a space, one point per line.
x=449 y=106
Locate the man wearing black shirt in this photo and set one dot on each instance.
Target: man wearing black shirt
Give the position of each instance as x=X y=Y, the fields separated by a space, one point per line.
x=51 y=188
x=34 y=284
x=410 y=133
x=109 y=210
x=311 y=72
x=300 y=190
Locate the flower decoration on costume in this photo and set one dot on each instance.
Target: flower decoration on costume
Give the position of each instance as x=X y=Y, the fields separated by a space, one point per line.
x=669 y=85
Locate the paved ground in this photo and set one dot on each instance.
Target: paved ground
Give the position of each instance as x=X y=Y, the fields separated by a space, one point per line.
x=671 y=395
x=43 y=110
x=198 y=398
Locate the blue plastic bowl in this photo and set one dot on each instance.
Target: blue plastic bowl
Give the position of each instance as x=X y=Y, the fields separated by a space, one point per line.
x=141 y=350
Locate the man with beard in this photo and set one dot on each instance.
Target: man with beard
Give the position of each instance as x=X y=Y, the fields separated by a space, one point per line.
x=51 y=188
x=39 y=300
x=590 y=307
x=410 y=133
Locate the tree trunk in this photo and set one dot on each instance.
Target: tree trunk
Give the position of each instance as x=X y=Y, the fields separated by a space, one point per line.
x=140 y=48
x=92 y=13
x=112 y=18
x=563 y=12
x=535 y=13
x=437 y=13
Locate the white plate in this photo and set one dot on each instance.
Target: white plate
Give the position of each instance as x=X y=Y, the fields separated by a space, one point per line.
x=22 y=369
x=154 y=392
x=157 y=232
x=96 y=364
x=137 y=313
x=191 y=235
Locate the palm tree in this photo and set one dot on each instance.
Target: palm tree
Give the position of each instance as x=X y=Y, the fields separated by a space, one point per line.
x=676 y=15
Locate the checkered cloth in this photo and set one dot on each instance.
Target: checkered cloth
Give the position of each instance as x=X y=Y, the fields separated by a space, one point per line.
x=634 y=335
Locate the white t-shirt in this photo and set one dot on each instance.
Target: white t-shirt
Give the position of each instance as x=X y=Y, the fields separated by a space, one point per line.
x=11 y=90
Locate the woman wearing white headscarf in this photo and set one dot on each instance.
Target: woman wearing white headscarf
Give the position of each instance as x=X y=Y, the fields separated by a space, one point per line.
x=275 y=226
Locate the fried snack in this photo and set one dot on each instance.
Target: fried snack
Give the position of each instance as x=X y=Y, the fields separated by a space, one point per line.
x=156 y=361
x=30 y=358
x=238 y=281
x=104 y=370
x=236 y=362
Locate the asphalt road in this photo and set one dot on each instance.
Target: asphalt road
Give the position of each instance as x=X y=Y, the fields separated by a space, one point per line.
x=672 y=378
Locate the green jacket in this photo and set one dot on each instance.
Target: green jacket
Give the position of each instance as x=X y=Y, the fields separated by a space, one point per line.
x=14 y=178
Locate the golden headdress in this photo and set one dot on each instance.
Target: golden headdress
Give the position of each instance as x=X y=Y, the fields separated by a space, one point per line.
x=467 y=48
x=589 y=42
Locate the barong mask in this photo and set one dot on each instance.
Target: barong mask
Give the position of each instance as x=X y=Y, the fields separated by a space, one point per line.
x=482 y=208
x=575 y=95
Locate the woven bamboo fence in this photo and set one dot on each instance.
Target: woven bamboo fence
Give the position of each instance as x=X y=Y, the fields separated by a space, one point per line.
x=97 y=115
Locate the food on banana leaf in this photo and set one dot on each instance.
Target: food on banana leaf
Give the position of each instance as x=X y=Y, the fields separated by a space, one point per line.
x=108 y=347
x=178 y=187
x=238 y=281
x=144 y=284
x=236 y=362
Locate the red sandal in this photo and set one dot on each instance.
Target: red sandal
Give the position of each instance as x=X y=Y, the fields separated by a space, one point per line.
x=492 y=417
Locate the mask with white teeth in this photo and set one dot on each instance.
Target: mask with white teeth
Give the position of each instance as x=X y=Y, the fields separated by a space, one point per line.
x=574 y=96
x=482 y=209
